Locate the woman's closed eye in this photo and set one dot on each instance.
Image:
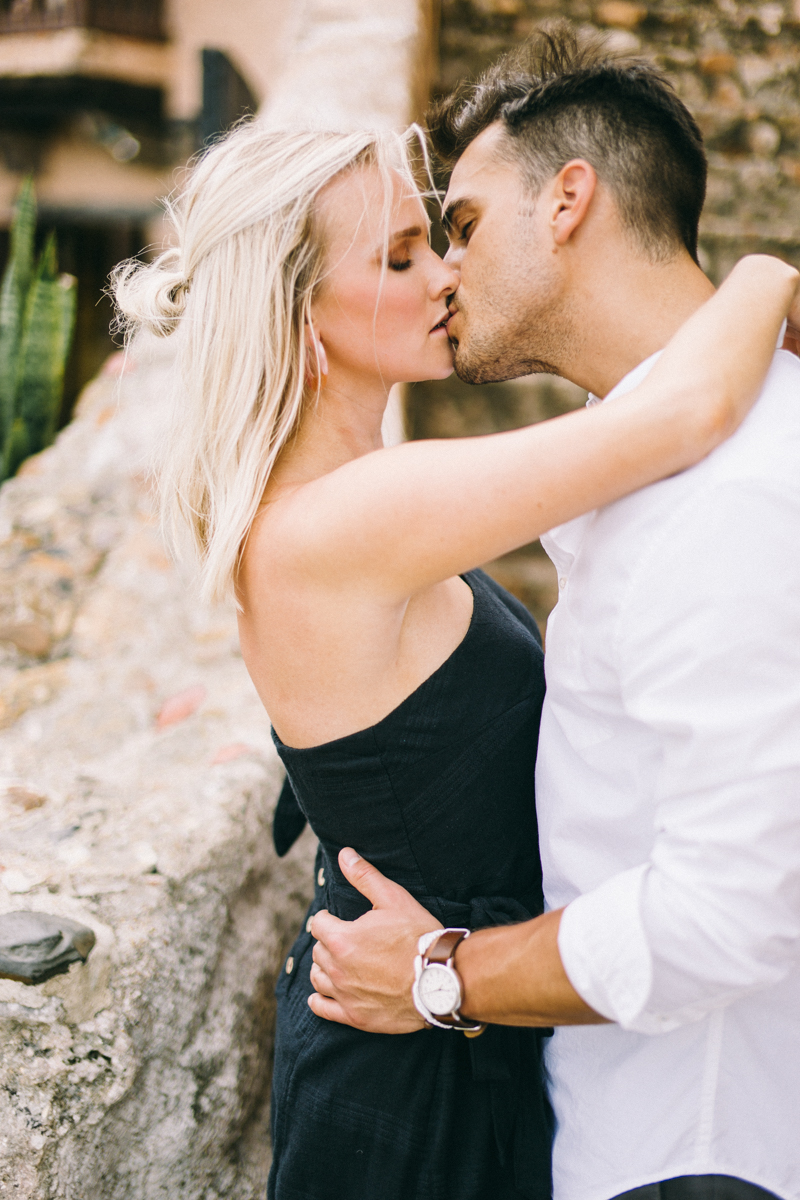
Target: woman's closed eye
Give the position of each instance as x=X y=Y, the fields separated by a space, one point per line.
x=400 y=257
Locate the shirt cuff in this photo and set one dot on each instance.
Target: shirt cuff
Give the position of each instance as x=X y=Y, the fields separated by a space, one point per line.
x=605 y=954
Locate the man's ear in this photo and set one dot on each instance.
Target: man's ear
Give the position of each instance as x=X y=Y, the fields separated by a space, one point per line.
x=573 y=190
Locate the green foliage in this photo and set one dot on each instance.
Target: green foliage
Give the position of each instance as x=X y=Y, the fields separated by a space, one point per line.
x=37 y=319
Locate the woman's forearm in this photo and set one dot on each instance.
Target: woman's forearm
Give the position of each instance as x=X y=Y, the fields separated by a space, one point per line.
x=452 y=505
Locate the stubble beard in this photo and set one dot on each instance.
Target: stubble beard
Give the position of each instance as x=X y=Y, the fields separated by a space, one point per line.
x=497 y=364
x=499 y=349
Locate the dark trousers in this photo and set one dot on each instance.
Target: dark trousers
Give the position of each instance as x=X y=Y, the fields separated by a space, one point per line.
x=699 y=1187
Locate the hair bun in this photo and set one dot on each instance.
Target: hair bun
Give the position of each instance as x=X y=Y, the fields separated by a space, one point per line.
x=151 y=296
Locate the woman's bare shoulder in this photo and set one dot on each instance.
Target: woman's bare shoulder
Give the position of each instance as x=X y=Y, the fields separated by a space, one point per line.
x=280 y=536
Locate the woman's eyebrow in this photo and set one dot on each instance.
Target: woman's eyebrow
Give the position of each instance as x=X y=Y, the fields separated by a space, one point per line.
x=405 y=234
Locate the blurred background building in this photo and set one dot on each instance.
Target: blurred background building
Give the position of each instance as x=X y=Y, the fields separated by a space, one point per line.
x=105 y=100
x=101 y=100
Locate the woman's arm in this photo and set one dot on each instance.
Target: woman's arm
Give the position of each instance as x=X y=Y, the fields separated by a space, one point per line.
x=405 y=518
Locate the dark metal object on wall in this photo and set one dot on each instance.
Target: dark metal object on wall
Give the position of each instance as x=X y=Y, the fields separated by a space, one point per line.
x=36 y=946
x=226 y=96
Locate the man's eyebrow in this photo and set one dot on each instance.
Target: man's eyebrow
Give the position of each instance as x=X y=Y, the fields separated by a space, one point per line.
x=452 y=211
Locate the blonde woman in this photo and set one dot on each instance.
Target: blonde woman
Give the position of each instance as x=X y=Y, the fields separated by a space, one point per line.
x=404 y=687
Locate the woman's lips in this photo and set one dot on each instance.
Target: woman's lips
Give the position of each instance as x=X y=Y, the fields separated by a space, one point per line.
x=441 y=326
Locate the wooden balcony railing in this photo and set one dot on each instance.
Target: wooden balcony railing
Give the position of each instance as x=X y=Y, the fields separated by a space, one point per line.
x=132 y=18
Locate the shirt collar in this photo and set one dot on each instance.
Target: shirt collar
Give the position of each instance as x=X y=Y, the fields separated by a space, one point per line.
x=628 y=382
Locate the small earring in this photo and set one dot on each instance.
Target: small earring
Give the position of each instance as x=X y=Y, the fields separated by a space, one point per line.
x=322 y=359
x=316 y=358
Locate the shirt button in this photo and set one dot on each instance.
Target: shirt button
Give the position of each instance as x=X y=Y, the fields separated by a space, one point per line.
x=321 y=877
x=289 y=965
x=562 y=583
x=308 y=924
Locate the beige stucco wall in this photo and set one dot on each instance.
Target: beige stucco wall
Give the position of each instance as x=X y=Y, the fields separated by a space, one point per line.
x=340 y=63
x=251 y=32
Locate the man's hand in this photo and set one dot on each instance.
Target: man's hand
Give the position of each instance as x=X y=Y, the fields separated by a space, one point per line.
x=363 y=970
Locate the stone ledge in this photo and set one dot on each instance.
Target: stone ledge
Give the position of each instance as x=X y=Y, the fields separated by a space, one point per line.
x=137 y=779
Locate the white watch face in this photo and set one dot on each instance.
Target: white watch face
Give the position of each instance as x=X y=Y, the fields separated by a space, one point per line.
x=439 y=990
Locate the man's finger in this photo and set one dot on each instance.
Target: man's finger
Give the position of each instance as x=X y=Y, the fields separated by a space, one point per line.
x=320 y=981
x=380 y=891
x=331 y=1010
x=322 y=957
x=324 y=925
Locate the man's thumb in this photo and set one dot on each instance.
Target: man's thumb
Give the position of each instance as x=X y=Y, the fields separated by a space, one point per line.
x=380 y=891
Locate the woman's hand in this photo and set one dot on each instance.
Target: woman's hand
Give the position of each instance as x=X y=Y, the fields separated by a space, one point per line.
x=791 y=339
x=713 y=369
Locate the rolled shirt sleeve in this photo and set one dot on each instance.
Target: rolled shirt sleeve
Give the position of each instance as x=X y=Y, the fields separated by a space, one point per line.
x=708 y=651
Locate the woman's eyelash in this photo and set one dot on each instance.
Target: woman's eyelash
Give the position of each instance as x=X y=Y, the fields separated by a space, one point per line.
x=402 y=265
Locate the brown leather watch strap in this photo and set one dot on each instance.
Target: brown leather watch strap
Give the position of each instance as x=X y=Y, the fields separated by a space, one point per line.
x=444 y=947
x=442 y=951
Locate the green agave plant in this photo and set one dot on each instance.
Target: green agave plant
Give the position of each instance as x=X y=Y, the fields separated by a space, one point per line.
x=37 y=320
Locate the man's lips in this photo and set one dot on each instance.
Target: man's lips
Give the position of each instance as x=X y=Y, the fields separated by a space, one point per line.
x=445 y=321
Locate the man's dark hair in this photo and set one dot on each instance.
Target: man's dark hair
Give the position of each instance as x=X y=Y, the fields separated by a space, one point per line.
x=560 y=98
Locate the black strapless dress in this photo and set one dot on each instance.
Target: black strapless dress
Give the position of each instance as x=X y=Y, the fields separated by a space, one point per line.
x=439 y=795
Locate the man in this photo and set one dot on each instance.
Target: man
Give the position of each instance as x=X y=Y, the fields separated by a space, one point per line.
x=668 y=779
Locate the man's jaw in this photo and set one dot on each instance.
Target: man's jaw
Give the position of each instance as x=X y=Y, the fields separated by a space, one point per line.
x=477 y=368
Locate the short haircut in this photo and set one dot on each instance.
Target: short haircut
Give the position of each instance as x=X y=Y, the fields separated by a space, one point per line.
x=560 y=98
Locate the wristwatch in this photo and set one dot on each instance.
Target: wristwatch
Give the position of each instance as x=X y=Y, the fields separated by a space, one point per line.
x=437 y=988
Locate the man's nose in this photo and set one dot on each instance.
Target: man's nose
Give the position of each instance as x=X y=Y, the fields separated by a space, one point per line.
x=453 y=258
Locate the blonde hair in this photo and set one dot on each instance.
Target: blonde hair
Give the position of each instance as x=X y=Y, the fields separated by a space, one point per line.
x=238 y=285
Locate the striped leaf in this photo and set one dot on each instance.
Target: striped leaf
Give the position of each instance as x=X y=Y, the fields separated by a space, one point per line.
x=16 y=449
x=44 y=348
x=13 y=294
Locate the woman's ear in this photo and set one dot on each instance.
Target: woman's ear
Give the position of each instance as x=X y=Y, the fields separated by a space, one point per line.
x=573 y=190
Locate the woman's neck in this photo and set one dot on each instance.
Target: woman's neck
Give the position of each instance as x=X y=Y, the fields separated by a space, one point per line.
x=342 y=424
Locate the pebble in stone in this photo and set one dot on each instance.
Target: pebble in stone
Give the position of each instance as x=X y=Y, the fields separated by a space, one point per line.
x=24 y=797
x=763 y=138
x=622 y=13
x=230 y=752
x=181 y=706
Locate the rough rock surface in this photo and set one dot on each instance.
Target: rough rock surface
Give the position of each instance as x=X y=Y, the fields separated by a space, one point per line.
x=137 y=778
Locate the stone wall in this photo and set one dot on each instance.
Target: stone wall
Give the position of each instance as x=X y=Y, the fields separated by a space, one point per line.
x=137 y=773
x=737 y=67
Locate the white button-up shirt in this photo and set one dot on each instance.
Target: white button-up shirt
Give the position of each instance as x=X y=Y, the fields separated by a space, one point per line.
x=668 y=793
